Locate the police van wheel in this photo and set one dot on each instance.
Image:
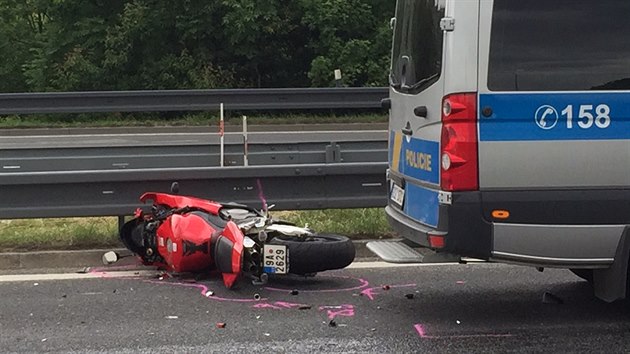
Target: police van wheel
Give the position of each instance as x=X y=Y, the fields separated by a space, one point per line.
x=317 y=253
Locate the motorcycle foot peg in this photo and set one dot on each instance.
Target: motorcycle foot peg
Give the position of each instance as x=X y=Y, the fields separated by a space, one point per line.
x=262 y=280
x=264 y=277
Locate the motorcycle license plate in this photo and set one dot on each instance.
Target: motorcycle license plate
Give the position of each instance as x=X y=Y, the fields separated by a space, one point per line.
x=397 y=194
x=276 y=259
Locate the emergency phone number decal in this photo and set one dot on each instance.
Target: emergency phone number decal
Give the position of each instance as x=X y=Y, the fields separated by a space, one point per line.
x=513 y=117
x=547 y=117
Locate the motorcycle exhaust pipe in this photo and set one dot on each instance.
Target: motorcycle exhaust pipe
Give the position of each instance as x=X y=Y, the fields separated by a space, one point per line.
x=250 y=247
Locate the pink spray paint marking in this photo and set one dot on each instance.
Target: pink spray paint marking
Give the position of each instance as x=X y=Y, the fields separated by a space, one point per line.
x=420 y=329
x=460 y=282
x=266 y=306
x=287 y=305
x=371 y=294
x=362 y=284
x=345 y=310
x=261 y=195
x=204 y=290
x=103 y=273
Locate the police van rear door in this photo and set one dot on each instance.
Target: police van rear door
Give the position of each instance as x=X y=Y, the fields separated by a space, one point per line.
x=417 y=88
x=554 y=95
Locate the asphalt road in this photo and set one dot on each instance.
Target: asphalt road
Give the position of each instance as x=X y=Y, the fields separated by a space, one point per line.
x=474 y=308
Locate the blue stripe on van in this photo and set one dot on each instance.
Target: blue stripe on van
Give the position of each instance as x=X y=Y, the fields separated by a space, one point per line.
x=546 y=116
x=422 y=204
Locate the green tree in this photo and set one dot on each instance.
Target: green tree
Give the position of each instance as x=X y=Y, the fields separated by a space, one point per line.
x=165 y=45
x=21 y=26
x=267 y=41
x=71 y=45
x=350 y=35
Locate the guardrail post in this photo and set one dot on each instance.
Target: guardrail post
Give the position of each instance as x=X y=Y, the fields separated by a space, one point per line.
x=121 y=221
x=333 y=152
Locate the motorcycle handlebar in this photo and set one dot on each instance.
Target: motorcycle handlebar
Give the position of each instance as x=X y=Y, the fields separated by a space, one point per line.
x=162 y=215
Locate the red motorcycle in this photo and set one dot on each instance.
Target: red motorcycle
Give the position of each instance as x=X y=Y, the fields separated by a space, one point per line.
x=187 y=234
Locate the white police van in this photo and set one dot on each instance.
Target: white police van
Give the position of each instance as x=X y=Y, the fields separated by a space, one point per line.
x=510 y=134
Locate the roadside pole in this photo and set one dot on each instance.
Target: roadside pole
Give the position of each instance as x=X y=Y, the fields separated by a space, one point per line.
x=221 y=134
x=245 y=143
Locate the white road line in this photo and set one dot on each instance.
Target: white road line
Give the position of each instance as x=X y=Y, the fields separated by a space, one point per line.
x=127 y=274
x=379 y=264
x=72 y=276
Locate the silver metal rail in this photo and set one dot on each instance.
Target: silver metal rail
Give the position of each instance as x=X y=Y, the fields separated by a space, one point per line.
x=101 y=193
x=193 y=100
x=99 y=175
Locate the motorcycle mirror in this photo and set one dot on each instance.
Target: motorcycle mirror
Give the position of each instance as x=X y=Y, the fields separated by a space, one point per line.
x=110 y=257
x=175 y=188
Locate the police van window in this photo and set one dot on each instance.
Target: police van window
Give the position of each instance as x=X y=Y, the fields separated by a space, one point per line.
x=417 y=45
x=560 y=45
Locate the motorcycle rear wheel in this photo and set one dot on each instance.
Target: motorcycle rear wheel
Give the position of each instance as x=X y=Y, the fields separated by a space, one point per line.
x=317 y=253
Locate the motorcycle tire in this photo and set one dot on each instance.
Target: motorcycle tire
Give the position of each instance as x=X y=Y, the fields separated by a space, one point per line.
x=317 y=253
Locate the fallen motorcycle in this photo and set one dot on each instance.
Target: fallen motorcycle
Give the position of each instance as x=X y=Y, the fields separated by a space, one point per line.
x=185 y=234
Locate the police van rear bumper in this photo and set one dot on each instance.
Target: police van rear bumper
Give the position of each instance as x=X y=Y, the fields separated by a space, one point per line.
x=529 y=236
x=461 y=223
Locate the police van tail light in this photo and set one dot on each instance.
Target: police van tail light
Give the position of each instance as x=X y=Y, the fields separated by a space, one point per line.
x=458 y=145
x=436 y=241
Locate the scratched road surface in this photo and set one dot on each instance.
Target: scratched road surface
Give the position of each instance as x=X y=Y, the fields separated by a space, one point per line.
x=479 y=308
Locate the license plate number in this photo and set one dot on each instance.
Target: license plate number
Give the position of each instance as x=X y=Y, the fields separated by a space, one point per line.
x=275 y=259
x=397 y=195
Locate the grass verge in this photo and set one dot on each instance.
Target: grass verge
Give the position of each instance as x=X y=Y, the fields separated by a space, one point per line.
x=96 y=120
x=102 y=232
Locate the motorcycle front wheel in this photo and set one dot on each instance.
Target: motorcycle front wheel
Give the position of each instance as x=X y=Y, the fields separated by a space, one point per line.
x=317 y=253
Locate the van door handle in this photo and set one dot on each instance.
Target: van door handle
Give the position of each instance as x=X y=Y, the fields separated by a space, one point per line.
x=420 y=111
x=407 y=129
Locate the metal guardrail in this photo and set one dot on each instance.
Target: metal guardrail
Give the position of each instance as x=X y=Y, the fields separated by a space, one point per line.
x=98 y=175
x=154 y=151
x=115 y=193
x=296 y=171
x=193 y=100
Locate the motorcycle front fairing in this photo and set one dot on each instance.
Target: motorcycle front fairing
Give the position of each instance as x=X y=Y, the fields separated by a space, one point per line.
x=184 y=243
x=190 y=241
x=231 y=236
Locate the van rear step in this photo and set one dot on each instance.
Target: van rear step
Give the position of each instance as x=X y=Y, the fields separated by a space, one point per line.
x=399 y=252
